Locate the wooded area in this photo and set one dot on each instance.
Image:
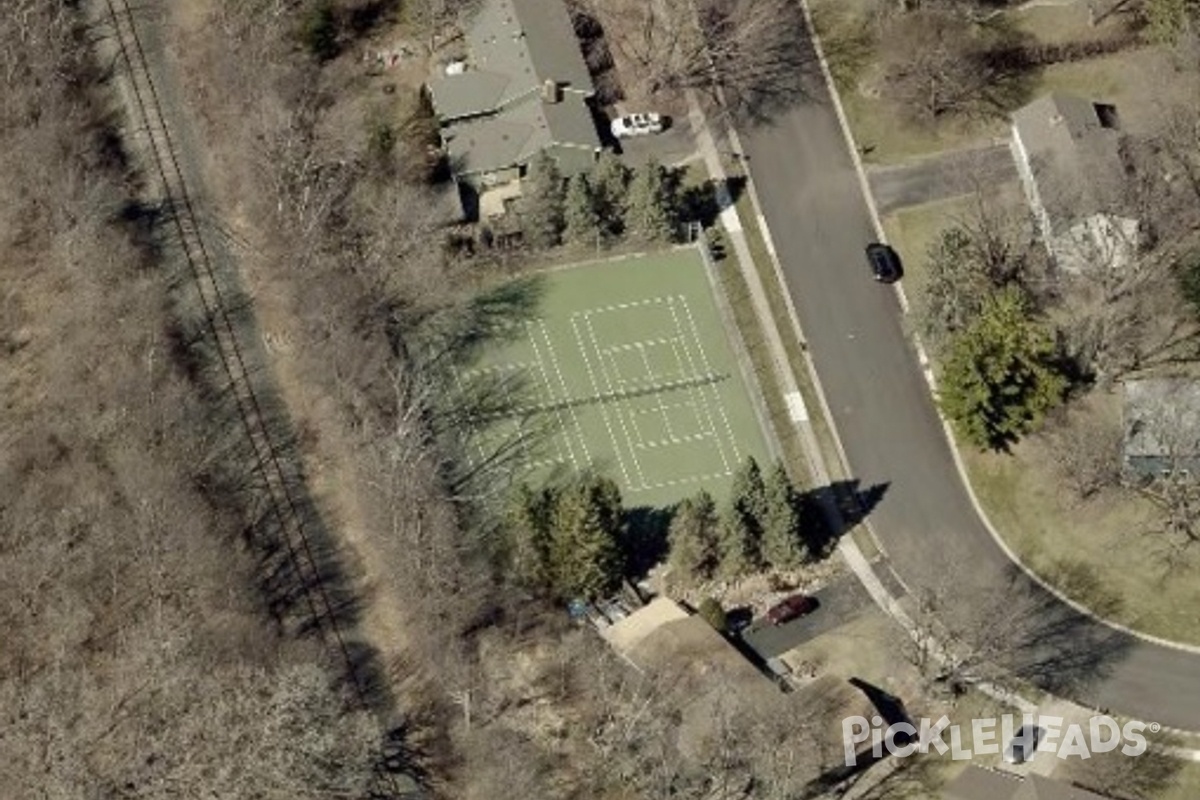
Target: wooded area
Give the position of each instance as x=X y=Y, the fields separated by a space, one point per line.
x=138 y=661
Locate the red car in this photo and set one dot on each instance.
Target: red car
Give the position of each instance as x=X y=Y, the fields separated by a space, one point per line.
x=791 y=608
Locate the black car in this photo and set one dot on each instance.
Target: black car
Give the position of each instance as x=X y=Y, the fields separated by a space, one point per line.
x=885 y=263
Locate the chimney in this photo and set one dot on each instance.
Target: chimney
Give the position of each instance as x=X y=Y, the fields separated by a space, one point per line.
x=551 y=91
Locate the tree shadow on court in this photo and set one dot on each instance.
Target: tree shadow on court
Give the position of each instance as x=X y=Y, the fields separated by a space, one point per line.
x=644 y=540
x=853 y=503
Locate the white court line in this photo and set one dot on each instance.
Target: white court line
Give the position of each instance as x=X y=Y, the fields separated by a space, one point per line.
x=689 y=479
x=648 y=301
x=691 y=364
x=510 y=366
x=674 y=440
x=596 y=389
x=658 y=397
x=587 y=456
x=616 y=409
x=708 y=370
x=689 y=404
x=558 y=412
x=640 y=344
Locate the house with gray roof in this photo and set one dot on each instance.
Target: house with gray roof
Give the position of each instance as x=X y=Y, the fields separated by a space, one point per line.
x=1068 y=154
x=1162 y=426
x=977 y=783
x=524 y=89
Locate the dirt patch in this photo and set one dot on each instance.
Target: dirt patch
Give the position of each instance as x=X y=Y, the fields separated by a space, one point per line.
x=329 y=455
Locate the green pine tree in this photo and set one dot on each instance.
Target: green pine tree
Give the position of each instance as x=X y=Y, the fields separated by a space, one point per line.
x=782 y=543
x=650 y=216
x=693 y=535
x=585 y=560
x=582 y=221
x=998 y=381
x=527 y=525
x=610 y=184
x=749 y=493
x=544 y=200
x=736 y=548
x=319 y=30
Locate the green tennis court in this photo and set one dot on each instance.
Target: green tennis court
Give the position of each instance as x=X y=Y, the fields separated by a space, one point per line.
x=630 y=371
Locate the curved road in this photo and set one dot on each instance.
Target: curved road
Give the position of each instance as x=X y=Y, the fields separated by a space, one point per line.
x=885 y=417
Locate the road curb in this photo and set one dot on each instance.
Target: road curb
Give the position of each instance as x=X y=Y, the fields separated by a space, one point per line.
x=926 y=366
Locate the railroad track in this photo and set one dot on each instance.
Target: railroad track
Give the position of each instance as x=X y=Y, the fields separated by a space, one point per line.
x=271 y=469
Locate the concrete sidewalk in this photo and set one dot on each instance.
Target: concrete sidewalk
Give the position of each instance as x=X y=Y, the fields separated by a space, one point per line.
x=800 y=417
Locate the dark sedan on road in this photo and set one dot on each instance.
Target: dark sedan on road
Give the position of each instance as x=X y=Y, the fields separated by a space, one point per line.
x=885 y=263
x=794 y=607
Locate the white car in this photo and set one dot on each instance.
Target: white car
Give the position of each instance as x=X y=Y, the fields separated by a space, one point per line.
x=636 y=125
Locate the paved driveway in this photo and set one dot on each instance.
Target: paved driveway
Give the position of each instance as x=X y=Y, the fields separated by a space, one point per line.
x=940 y=177
x=673 y=146
x=839 y=603
x=892 y=435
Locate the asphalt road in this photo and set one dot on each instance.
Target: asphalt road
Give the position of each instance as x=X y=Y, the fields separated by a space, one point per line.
x=882 y=408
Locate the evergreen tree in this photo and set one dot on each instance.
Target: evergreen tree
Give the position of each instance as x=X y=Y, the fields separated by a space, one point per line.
x=544 y=199
x=710 y=609
x=319 y=30
x=749 y=494
x=736 y=551
x=650 y=216
x=582 y=221
x=693 y=536
x=527 y=523
x=610 y=183
x=584 y=557
x=740 y=541
x=782 y=543
x=998 y=380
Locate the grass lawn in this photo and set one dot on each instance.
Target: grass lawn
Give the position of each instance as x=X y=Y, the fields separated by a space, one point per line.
x=884 y=138
x=1134 y=79
x=911 y=231
x=630 y=371
x=1095 y=552
x=1186 y=784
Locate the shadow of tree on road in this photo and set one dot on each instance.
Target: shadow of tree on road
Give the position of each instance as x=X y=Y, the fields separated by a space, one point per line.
x=852 y=502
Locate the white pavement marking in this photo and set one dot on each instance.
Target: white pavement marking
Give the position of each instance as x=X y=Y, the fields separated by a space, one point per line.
x=617 y=408
x=579 y=434
x=596 y=389
x=702 y=400
x=711 y=388
x=651 y=377
x=530 y=333
x=796 y=408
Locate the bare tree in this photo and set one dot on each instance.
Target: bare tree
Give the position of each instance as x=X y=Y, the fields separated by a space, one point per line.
x=957 y=640
x=1122 y=778
x=754 y=52
x=932 y=64
x=1086 y=448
